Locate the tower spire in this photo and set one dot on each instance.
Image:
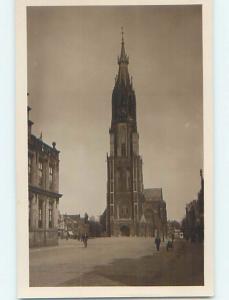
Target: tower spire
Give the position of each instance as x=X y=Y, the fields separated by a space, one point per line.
x=123 y=97
x=123 y=58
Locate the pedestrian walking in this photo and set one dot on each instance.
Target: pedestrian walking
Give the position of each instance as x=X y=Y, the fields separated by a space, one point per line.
x=85 y=238
x=169 y=245
x=157 y=243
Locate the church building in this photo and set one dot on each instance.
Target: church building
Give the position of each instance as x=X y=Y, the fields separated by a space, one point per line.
x=131 y=210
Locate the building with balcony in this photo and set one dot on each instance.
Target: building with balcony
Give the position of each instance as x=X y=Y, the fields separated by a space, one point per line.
x=43 y=183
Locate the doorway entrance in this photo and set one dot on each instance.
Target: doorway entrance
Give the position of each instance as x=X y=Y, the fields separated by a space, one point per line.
x=125 y=230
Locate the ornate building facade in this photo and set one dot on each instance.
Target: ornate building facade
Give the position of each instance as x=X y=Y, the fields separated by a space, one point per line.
x=43 y=181
x=126 y=200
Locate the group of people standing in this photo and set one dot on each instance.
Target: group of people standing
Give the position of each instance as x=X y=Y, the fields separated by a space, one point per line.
x=169 y=244
x=83 y=238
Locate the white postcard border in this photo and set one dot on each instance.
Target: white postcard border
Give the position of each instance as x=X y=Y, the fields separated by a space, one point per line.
x=23 y=289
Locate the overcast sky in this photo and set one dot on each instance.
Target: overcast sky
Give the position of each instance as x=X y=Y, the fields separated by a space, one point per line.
x=72 y=63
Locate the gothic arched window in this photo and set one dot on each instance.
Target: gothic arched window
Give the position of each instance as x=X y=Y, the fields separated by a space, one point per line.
x=128 y=179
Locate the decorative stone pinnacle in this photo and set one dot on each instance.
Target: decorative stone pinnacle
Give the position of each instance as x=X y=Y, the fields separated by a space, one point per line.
x=122 y=32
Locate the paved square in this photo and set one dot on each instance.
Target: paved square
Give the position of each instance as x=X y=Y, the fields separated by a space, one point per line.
x=115 y=261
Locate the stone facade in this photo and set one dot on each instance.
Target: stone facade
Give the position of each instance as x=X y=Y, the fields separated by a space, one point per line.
x=126 y=201
x=43 y=181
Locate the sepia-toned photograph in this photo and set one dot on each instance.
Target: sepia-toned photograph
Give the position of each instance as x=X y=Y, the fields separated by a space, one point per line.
x=115 y=146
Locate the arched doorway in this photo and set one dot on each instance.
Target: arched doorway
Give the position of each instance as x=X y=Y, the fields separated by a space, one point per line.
x=125 y=230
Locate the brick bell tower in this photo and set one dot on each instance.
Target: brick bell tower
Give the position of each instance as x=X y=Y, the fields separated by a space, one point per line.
x=124 y=164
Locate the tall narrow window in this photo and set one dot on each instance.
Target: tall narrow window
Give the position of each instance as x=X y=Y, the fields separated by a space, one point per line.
x=123 y=149
x=135 y=211
x=128 y=180
x=50 y=214
x=50 y=177
x=125 y=212
x=40 y=214
x=40 y=172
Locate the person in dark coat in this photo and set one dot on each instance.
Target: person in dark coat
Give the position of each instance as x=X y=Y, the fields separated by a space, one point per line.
x=157 y=243
x=85 y=238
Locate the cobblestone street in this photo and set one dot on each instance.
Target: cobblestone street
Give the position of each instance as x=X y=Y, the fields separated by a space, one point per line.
x=116 y=261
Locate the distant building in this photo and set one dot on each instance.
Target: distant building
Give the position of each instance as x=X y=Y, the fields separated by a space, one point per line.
x=154 y=212
x=62 y=228
x=43 y=180
x=193 y=223
x=174 y=229
x=76 y=225
x=129 y=206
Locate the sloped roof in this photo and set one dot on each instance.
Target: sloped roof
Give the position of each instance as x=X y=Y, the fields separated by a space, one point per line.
x=73 y=217
x=154 y=194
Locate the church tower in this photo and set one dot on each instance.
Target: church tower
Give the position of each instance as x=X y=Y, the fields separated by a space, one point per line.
x=124 y=164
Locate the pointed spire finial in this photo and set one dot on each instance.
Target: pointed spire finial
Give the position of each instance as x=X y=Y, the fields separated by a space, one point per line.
x=122 y=32
x=123 y=58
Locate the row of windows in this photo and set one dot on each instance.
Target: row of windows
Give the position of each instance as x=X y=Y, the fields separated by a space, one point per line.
x=123 y=213
x=41 y=214
x=122 y=176
x=40 y=172
x=122 y=186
